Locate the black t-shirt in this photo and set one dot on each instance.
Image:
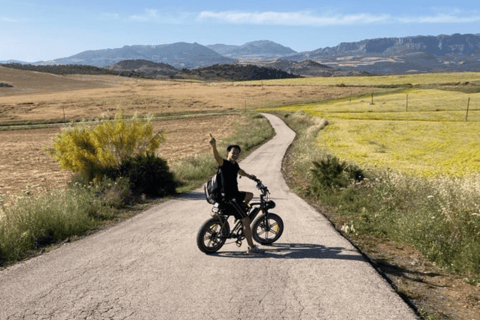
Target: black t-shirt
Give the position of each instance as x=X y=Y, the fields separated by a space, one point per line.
x=230 y=172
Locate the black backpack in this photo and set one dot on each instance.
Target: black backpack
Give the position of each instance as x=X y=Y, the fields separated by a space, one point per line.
x=214 y=188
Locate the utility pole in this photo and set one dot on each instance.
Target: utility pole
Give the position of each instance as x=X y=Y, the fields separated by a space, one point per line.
x=468 y=106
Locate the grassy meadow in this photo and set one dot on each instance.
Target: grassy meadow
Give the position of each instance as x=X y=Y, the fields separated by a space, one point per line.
x=413 y=79
x=428 y=133
x=420 y=157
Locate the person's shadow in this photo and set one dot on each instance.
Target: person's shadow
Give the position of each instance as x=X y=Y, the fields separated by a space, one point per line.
x=295 y=251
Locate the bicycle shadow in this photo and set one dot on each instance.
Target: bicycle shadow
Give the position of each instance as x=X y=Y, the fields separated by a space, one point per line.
x=295 y=251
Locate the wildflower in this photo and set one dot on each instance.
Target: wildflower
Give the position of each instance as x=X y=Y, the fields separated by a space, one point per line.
x=429 y=197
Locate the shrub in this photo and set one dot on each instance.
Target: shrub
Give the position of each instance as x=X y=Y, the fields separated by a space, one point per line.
x=148 y=174
x=94 y=151
x=332 y=173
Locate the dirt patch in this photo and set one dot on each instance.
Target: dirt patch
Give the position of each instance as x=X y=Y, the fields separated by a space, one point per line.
x=25 y=163
x=31 y=82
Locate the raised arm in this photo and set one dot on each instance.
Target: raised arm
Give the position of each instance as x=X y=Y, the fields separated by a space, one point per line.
x=217 y=156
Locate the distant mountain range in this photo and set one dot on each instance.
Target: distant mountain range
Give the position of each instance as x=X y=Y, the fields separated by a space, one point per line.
x=263 y=48
x=455 y=52
x=178 y=55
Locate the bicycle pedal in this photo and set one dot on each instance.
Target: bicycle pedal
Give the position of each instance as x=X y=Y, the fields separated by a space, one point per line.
x=238 y=243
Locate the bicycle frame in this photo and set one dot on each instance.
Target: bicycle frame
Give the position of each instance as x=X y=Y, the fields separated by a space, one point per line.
x=263 y=205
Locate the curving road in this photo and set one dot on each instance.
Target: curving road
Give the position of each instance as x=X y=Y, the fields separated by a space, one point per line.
x=150 y=268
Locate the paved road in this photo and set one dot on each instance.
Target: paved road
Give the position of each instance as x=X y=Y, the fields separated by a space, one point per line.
x=150 y=268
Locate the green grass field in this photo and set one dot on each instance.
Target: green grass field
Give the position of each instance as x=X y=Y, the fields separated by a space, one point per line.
x=421 y=132
x=413 y=79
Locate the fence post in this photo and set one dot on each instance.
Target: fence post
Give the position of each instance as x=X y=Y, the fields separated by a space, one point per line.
x=406 y=104
x=468 y=106
x=371 y=103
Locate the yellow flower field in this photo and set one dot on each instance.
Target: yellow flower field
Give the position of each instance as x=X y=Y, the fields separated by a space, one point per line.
x=417 y=148
x=431 y=138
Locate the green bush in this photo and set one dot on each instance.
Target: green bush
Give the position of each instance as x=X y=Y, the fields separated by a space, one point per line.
x=332 y=173
x=147 y=174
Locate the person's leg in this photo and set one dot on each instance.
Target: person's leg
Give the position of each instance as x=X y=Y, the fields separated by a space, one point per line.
x=248 y=197
x=247 y=231
x=245 y=197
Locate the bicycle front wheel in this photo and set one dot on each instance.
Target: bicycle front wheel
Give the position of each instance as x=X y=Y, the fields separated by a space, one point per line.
x=212 y=235
x=267 y=228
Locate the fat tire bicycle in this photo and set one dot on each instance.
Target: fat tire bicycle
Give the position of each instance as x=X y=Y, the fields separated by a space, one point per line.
x=266 y=228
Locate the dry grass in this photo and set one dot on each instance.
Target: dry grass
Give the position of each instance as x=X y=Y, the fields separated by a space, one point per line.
x=24 y=162
x=38 y=96
x=42 y=96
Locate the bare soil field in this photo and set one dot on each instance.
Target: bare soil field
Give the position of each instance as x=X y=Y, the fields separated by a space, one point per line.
x=24 y=162
x=42 y=96
x=84 y=96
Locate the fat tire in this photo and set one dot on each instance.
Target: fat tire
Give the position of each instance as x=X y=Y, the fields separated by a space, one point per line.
x=208 y=239
x=259 y=229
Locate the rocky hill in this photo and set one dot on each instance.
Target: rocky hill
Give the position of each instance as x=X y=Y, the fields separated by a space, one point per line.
x=442 y=45
x=235 y=73
x=402 y=55
x=148 y=68
x=153 y=70
x=262 y=49
x=310 y=68
x=179 y=55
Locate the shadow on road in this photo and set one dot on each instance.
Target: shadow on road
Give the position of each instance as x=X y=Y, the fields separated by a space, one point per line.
x=191 y=196
x=296 y=251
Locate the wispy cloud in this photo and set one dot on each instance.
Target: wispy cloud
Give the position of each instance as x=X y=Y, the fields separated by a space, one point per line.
x=5 y=19
x=149 y=15
x=110 y=16
x=290 y=18
x=163 y=17
x=310 y=19
x=441 y=18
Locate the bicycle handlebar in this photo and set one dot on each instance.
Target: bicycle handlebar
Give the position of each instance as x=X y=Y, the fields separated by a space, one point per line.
x=261 y=186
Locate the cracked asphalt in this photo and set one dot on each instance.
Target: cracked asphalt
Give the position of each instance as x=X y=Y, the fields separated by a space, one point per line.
x=149 y=267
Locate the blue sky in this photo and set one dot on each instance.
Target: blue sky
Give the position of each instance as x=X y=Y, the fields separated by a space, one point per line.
x=35 y=30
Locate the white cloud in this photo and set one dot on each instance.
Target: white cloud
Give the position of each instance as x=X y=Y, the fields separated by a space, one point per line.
x=164 y=17
x=310 y=19
x=150 y=14
x=290 y=18
x=441 y=18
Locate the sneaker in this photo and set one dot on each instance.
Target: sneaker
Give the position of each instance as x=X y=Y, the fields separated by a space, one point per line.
x=254 y=249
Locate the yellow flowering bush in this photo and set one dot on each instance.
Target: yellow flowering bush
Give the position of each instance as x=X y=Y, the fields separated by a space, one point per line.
x=92 y=150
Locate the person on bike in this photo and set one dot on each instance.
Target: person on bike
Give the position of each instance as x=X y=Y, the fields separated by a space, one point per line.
x=230 y=170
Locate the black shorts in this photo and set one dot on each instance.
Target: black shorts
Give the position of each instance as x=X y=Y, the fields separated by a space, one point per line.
x=239 y=198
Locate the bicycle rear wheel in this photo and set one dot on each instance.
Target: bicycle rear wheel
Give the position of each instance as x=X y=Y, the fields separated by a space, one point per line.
x=267 y=228
x=212 y=235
